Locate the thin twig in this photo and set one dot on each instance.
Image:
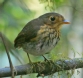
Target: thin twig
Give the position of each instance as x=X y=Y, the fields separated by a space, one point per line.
x=10 y=62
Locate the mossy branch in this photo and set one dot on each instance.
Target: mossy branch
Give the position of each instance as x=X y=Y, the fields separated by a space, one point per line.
x=45 y=68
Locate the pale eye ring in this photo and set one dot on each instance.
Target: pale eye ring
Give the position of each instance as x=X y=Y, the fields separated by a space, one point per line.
x=52 y=18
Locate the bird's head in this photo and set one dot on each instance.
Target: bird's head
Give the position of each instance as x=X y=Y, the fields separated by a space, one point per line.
x=54 y=20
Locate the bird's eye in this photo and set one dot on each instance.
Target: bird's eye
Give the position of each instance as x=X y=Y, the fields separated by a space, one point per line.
x=52 y=18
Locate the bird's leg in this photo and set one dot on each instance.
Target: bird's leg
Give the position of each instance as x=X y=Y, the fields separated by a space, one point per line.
x=45 y=59
x=29 y=58
x=50 y=61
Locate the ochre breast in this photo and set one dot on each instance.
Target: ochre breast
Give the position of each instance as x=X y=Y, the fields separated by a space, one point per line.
x=48 y=32
x=46 y=36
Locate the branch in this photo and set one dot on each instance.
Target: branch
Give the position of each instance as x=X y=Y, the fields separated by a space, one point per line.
x=45 y=68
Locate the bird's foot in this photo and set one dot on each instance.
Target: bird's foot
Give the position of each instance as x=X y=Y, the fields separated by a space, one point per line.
x=50 y=62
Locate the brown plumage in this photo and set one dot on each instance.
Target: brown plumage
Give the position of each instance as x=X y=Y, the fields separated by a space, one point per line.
x=40 y=35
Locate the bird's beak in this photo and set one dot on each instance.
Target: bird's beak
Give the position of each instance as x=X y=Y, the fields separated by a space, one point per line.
x=66 y=22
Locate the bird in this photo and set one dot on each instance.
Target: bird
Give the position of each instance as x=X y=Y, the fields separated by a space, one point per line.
x=40 y=35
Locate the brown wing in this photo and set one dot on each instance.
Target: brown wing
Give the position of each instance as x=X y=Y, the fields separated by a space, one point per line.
x=28 y=32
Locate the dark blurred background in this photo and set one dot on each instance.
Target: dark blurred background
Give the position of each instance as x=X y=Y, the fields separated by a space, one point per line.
x=14 y=14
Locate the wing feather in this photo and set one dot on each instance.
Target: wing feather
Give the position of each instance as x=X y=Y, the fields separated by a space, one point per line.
x=28 y=32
